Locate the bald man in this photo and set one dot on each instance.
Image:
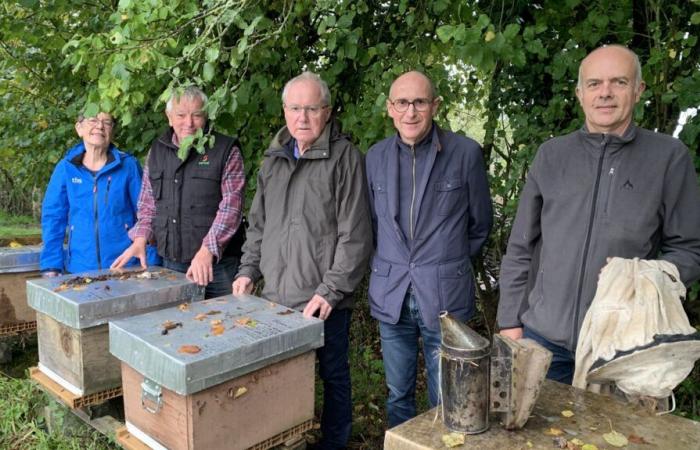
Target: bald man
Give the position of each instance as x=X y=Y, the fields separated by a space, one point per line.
x=431 y=213
x=608 y=189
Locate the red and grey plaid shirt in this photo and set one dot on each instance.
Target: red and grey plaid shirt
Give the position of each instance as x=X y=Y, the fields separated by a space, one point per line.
x=228 y=217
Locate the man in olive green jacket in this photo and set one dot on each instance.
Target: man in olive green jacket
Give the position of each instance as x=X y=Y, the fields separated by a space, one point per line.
x=310 y=236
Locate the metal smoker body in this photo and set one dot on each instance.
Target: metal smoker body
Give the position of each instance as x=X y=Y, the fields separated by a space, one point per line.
x=477 y=378
x=464 y=377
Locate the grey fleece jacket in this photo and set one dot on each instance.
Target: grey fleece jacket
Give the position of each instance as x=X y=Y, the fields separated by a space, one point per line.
x=589 y=197
x=309 y=225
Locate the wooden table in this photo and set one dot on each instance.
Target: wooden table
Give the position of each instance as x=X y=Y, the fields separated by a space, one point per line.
x=593 y=416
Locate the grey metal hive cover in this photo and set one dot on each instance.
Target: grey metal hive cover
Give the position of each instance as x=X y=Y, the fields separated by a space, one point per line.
x=93 y=298
x=253 y=333
x=21 y=259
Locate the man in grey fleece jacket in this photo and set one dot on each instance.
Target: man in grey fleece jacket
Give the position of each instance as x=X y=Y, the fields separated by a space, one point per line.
x=608 y=189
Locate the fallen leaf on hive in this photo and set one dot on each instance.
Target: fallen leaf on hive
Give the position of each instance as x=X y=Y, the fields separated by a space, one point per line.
x=589 y=447
x=577 y=441
x=247 y=322
x=88 y=280
x=453 y=439
x=553 y=431
x=615 y=439
x=285 y=312
x=169 y=325
x=15 y=244
x=79 y=288
x=240 y=391
x=61 y=288
x=184 y=307
x=217 y=329
x=172 y=277
x=190 y=349
x=567 y=413
x=145 y=275
x=200 y=316
x=633 y=438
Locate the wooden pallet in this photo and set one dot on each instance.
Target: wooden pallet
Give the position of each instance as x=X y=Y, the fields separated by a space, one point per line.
x=13 y=329
x=131 y=442
x=72 y=400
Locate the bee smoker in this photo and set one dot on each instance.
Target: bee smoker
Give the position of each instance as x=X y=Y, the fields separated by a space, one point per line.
x=464 y=377
x=477 y=378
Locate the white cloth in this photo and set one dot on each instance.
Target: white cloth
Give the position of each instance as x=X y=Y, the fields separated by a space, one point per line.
x=637 y=300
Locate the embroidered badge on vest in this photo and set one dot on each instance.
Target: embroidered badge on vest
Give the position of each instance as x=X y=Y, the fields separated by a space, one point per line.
x=204 y=161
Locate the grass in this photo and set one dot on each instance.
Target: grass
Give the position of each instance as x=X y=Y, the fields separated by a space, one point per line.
x=18 y=228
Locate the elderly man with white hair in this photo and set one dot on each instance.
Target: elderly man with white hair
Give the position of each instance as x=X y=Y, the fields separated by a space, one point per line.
x=310 y=237
x=192 y=208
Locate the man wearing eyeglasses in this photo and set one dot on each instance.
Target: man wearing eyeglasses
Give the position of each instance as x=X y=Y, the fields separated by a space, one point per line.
x=309 y=235
x=431 y=214
x=193 y=207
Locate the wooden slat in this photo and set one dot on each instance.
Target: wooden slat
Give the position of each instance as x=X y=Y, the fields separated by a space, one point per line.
x=129 y=442
x=68 y=398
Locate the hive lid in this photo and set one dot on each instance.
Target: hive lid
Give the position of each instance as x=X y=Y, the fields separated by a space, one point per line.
x=252 y=333
x=20 y=259
x=93 y=298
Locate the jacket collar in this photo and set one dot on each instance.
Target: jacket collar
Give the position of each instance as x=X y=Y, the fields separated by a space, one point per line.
x=76 y=154
x=612 y=142
x=436 y=137
x=320 y=149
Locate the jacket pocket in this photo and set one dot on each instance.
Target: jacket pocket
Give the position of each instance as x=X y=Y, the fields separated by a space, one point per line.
x=156 y=184
x=447 y=195
x=378 y=283
x=379 y=199
x=456 y=287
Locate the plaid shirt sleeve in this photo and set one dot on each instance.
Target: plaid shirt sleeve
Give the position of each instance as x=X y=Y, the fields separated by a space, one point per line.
x=230 y=212
x=146 y=210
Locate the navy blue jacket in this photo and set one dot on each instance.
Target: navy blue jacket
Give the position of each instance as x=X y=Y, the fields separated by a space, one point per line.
x=95 y=210
x=454 y=217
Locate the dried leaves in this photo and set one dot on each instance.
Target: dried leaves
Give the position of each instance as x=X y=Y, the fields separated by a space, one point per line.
x=567 y=413
x=202 y=316
x=615 y=439
x=246 y=322
x=217 y=327
x=453 y=439
x=552 y=431
x=184 y=307
x=189 y=349
x=79 y=283
x=169 y=325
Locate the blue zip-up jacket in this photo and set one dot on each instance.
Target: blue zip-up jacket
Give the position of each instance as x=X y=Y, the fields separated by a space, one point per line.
x=96 y=210
x=453 y=217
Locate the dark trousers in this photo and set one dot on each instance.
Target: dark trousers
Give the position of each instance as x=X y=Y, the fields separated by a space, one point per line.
x=224 y=272
x=563 y=359
x=334 y=370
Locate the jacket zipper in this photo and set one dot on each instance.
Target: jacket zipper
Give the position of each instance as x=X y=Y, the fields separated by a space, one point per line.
x=95 y=217
x=587 y=245
x=413 y=190
x=109 y=181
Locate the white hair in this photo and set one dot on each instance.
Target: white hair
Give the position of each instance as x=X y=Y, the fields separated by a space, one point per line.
x=310 y=76
x=191 y=92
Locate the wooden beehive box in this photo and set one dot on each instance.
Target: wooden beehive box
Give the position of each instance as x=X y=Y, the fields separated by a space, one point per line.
x=72 y=315
x=17 y=265
x=229 y=373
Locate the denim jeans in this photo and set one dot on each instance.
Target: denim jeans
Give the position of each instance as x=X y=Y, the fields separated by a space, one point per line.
x=563 y=360
x=400 y=353
x=334 y=370
x=224 y=271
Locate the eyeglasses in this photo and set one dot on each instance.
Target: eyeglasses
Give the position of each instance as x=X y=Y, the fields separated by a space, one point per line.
x=420 y=104
x=312 y=110
x=94 y=121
